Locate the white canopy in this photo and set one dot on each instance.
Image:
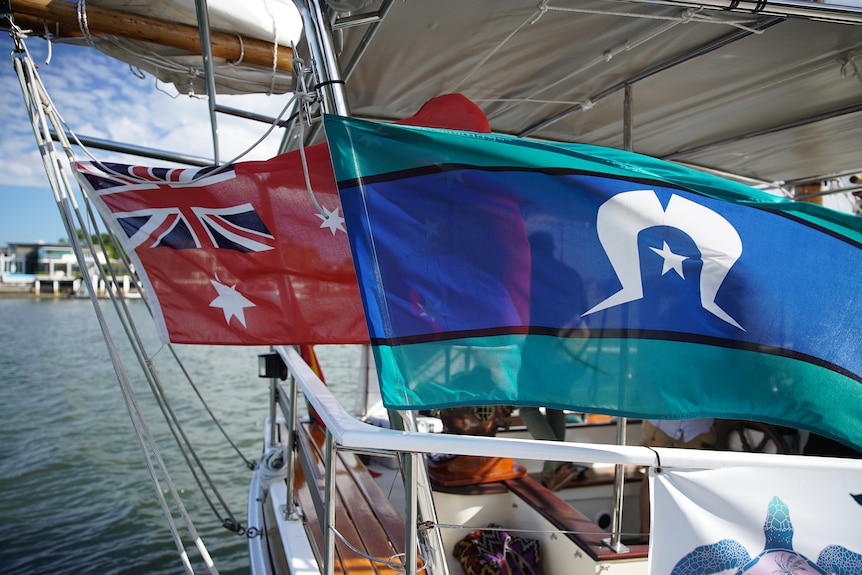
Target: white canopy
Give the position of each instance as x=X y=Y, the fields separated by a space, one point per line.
x=769 y=97
x=768 y=90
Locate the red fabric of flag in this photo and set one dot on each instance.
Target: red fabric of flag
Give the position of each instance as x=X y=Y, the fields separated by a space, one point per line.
x=243 y=255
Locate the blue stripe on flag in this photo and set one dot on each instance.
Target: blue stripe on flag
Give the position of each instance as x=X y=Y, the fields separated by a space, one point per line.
x=558 y=284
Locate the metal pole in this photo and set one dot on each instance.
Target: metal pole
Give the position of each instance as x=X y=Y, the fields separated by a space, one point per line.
x=367 y=38
x=628 y=144
x=273 y=401
x=318 y=33
x=360 y=404
x=329 y=507
x=420 y=501
x=207 y=54
x=619 y=469
x=132 y=149
x=676 y=61
x=288 y=443
x=411 y=468
x=615 y=541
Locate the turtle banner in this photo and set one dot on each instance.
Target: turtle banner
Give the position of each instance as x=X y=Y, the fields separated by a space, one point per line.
x=757 y=520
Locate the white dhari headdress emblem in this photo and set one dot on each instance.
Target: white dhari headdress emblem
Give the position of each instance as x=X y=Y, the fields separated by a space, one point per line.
x=625 y=215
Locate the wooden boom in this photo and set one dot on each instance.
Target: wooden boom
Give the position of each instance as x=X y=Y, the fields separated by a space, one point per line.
x=103 y=22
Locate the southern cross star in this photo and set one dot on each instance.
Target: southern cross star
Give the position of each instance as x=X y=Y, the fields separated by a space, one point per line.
x=231 y=302
x=672 y=261
x=331 y=220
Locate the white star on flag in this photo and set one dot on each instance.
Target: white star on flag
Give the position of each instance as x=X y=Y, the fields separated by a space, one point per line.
x=231 y=301
x=431 y=310
x=672 y=261
x=331 y=220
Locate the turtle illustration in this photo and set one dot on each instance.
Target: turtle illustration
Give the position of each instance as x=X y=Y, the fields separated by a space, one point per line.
x=777 y=557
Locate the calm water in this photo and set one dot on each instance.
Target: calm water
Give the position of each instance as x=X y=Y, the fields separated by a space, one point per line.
x=75 y=495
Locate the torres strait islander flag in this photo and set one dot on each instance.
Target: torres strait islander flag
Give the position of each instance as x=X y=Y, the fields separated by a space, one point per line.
x=240 y=254
x=497 y=270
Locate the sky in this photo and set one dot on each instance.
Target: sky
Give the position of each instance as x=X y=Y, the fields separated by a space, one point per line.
x=100 y=97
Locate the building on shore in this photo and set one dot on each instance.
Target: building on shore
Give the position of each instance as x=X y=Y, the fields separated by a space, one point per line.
x=52 y=270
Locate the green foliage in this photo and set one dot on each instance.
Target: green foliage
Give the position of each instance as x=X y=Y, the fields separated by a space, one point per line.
x=112 y=249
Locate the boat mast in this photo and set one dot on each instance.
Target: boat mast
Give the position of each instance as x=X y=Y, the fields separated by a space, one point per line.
x=318 y=34
x=419 y=503
x=330 y=89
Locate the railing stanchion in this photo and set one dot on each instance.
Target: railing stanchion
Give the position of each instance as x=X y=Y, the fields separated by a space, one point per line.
x=329 y=507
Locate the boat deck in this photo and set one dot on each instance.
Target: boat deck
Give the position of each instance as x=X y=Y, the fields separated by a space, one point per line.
x=365 y=518
x=372 y=530
x=578 y=527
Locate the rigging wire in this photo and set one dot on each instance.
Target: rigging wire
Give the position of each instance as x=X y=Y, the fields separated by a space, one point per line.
x=148 y=367
x=305 y=97
x=66 y=201
x=42 y=112
x=81 y=8
x=154 y=381
x=274 y=46
x=688 y=15
x=148 y=364
x=38 y=105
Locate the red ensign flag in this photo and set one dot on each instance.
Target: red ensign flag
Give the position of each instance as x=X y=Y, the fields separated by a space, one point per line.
x=241 y=254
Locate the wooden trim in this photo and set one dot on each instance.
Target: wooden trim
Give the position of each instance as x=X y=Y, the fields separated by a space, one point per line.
x=364 y=515
x=103 y=22
x=586 y=534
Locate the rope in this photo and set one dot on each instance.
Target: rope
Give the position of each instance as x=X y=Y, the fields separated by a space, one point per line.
x=522 y=531
x=531 y=19
x=248 y=463
x=137 y=72
x=139 y=287
x=238 y=61
x=48 y=37
x=38 y=105
x=42 y=113
x=849 y=61
x=201 y=173
x=688 y=15
x=185 y=445
x=657 y=459
x=274 y=47
x=148 y=366
x=81 y=8
x=272 y=464
x=397 y=566
x=66 y=200
x=157 y=388
x=306 y=98
x=157 y=61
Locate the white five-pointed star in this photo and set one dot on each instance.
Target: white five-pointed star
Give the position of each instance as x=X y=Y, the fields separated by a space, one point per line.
x=672 y=261
x=331 y=220
x=231 y=301
x=431 y=310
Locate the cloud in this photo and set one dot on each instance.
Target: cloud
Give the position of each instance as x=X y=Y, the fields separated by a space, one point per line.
x=100 y=97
